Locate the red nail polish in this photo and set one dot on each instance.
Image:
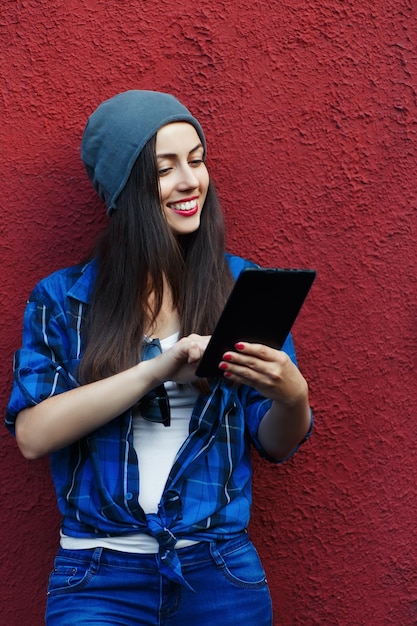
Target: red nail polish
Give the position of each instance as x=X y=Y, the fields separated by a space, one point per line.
x=227 y=357
x=223 y=366
x=239 y=346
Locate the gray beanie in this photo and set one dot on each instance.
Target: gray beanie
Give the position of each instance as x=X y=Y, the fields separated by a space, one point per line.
x=118 y=130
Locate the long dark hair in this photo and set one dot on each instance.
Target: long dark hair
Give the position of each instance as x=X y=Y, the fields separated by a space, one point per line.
x=135 y=255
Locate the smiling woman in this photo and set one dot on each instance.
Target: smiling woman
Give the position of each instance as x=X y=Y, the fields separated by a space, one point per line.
x=151 y=465
x=183 y=176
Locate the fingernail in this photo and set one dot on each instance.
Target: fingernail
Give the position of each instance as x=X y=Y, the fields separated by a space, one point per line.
x=223 y=366
x=239 y=346
x=227 y=357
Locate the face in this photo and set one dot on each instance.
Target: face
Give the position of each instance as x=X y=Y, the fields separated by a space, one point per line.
x=183 y=176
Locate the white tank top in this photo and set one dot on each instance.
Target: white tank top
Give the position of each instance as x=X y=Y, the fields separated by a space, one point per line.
x=156 y=445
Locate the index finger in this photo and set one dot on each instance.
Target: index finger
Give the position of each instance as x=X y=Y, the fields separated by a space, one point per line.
x=259 y=350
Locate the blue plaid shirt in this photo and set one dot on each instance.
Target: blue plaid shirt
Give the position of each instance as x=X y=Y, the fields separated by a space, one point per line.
x=208 y=492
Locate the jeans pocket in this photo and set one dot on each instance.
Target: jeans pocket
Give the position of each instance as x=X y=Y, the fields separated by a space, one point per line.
x=241 y=566
x=70 y=575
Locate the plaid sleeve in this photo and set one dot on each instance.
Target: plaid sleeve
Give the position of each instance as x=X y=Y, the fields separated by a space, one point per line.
x=257 y=406
x=41 y=365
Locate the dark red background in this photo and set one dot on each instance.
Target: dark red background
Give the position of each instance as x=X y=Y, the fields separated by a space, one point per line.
x=310 y=114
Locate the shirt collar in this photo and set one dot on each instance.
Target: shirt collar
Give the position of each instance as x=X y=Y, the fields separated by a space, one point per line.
x=81 y=290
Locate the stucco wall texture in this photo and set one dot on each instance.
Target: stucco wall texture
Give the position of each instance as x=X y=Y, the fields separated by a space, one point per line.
x=310 y=111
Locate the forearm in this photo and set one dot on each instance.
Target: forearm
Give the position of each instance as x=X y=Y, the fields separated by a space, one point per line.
x=60 y=420
x=284 y=426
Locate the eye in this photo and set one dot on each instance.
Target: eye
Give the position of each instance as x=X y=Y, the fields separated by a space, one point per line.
x=196 y=162
x=163 y=171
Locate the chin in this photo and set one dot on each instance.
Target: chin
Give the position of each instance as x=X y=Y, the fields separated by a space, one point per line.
x=185 y=229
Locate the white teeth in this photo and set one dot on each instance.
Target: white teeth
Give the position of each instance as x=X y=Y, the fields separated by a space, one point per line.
x=184 y=206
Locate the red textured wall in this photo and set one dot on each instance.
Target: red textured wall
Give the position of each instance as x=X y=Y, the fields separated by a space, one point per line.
x=310 y=114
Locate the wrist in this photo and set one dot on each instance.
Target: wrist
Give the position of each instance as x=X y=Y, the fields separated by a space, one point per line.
x=295 y=400
x=147 y=375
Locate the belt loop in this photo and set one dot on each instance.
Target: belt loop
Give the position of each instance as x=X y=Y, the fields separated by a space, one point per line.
x=95 y=560
x=215 y=554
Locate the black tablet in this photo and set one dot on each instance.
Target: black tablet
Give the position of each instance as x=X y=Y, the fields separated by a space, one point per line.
x=261 y=308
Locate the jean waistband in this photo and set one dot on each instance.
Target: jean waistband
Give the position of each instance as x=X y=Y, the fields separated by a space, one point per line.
x=189 y=555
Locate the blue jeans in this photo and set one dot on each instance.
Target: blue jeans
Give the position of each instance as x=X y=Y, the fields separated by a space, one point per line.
x=100 y=587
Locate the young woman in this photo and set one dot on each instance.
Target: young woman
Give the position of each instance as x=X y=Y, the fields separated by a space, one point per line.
x=151 y=465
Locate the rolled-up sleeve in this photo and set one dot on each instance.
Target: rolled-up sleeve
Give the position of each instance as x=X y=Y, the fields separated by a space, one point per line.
x=41 y=365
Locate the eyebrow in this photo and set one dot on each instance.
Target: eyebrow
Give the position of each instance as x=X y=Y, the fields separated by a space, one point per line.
x=169 y=155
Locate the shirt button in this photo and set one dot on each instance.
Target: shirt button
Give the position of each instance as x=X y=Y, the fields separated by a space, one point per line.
x=129 y=495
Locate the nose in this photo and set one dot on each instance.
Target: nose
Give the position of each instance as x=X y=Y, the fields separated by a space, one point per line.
x=187 y=178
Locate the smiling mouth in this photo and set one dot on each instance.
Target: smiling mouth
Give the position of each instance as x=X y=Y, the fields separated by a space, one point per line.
x=184 y=207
